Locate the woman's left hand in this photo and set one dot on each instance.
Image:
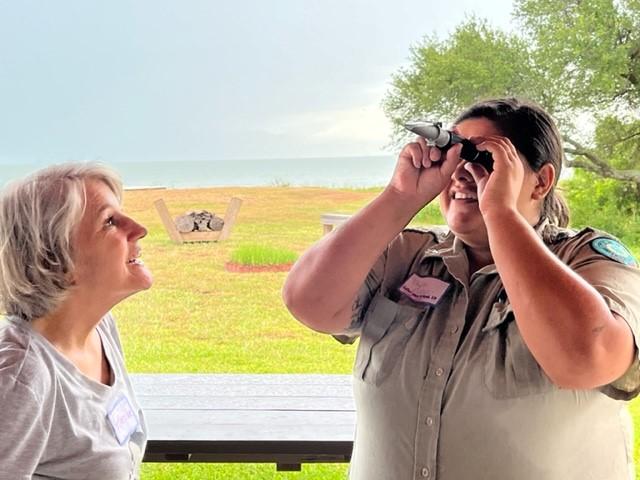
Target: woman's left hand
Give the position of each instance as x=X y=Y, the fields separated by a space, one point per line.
x=499 y=190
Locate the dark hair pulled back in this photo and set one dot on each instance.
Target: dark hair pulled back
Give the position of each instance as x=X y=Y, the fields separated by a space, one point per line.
x=534 y=134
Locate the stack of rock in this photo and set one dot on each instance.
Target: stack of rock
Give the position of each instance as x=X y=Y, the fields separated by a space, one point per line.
x=199 y=221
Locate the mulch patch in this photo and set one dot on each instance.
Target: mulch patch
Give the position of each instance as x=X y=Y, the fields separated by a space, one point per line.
x=240 y=268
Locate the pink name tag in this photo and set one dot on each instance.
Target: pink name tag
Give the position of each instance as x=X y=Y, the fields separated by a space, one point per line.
x=424 y=289
x=123 y=419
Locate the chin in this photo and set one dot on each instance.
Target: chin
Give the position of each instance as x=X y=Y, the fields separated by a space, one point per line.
x=133 y=291
x=139 y=286
x=464 y=222
x=142 y=280
x=469 y=229
x=146 y=285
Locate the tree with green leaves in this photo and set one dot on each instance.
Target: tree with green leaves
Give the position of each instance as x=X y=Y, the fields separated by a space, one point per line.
x=579 y=59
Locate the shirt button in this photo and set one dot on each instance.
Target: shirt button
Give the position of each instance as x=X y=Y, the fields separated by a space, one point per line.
x=454 y=330
x=439 y=372
x=429 y=421
x=425 y=472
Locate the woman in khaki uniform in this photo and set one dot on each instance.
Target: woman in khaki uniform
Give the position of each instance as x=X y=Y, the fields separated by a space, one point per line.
x=504 y=348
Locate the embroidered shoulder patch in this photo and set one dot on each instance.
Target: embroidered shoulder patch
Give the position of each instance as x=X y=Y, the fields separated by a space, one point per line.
x=614 y=250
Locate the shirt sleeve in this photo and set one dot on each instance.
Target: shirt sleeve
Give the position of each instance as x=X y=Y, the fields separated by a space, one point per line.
x=24 y=435
x=367 y=291
x=618 y=283
x=390 y=269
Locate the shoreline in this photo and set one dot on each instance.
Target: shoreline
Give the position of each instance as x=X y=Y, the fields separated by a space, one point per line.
x=136 y=188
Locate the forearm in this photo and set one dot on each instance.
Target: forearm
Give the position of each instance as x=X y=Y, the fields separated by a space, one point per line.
x=322 y=286
x=563 y=320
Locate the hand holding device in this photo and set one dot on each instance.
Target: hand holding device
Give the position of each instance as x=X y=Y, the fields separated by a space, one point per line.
x=437 y=136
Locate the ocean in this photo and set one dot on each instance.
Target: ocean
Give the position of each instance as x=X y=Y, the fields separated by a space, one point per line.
x=336 y=172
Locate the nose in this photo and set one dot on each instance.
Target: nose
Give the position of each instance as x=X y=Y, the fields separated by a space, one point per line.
x=136 y=231
x=460 y=174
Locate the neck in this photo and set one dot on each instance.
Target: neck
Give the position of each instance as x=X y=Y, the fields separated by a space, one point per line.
x=479 y=256
x=70 y=326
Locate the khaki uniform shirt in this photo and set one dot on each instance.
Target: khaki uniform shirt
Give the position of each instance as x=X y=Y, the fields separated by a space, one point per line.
x=451 y=391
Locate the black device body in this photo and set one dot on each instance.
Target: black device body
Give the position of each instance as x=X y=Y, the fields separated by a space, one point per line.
x=444 y=139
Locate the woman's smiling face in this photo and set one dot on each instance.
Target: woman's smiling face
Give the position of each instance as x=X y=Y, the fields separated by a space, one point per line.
x=459 y=199
x=106 y=250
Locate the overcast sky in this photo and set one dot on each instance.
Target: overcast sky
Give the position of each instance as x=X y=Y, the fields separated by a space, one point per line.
x=120 y=81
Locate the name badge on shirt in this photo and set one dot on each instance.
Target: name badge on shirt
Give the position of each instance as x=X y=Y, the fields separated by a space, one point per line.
x=424 y=289
x=123 y=419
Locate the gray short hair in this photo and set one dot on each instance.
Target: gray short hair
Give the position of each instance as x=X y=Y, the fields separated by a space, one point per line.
x=38 y=215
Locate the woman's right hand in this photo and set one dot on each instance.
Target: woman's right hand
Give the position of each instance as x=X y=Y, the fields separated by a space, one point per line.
x=422 y=172
x=322 y=287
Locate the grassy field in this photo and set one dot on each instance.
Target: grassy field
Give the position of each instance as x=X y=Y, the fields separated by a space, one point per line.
x=262 y=255
x=200 y=318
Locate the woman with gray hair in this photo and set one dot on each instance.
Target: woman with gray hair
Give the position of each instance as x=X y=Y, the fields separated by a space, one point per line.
x=68 y=254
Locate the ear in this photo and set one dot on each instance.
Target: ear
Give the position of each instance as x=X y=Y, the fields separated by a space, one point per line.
x=544 y=181
x=71 y=279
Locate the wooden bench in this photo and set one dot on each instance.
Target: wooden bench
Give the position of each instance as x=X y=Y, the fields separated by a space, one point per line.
x=286 y=419
x=331 y=220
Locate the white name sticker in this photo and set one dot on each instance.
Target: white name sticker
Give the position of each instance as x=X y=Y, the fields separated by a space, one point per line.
x=424 y=289
x=123 y=419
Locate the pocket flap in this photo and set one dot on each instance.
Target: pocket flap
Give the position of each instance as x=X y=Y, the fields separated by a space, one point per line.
x=380 y=316
x=499 y=314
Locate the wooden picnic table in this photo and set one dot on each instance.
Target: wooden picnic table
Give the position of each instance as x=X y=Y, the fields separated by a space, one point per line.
x=330 y=220
x=287 y=419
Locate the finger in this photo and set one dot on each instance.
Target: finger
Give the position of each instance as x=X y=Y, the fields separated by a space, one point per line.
x=435 y=154
x=478 y=172
x=495 y=143
x=426 y=163
x=451 y=160
x=499 y=152
x=477 y=139
x=422 y=142
x=504 y=141
x=413 y=152
x=423 y=145
x=425 y=152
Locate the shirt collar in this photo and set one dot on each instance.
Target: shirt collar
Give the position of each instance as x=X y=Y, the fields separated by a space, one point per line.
x=451 y=248
x=448 y=246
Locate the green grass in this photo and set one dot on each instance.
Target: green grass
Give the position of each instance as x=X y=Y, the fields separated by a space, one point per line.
x=429 y=215
x=200 y=318
x=256 y=254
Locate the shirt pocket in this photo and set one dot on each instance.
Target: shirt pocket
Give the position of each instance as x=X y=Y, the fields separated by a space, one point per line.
x=387 y=327
x=510 y=369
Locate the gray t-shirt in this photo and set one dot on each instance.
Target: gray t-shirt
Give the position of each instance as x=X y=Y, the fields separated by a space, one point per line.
x=55 y=422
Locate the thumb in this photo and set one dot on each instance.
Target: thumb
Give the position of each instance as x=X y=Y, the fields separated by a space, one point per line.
x=479 y=174
x=451 y=161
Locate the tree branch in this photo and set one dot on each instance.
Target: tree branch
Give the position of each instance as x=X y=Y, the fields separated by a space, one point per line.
x=585 y=152
x=629 y=137
x=590 y=161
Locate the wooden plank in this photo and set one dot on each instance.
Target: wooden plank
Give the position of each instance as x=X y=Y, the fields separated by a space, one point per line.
x=287 y=419
x=200 y=390
x=243 y=425
x=195 y=385
x=230 y=217
x=249 y=452
x=142 y=379
x=211 y=402
x=167 y=221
